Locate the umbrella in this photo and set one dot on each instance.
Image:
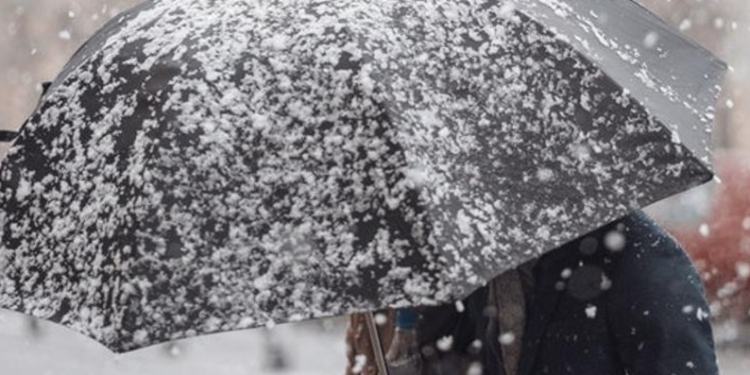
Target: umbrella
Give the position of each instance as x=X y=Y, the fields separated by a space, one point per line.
x=198 y=168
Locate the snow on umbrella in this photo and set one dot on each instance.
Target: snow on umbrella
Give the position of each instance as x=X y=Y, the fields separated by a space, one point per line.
x=199 y=168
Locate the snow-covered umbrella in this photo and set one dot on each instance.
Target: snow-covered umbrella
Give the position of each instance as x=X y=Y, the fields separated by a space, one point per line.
x=204 y=166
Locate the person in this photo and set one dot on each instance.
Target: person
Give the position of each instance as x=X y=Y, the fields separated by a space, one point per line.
x=623 y=299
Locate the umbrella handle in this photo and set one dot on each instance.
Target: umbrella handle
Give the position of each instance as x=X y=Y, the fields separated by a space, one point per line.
x=377 y=347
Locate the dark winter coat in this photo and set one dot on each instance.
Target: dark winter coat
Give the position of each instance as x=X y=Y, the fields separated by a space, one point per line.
x=599 y=306
x=638 y=311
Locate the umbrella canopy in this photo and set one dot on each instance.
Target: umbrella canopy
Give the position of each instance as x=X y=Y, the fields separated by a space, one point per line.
x=199 y=168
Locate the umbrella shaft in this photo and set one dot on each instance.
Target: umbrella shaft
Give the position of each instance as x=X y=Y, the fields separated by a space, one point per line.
x=377 y=347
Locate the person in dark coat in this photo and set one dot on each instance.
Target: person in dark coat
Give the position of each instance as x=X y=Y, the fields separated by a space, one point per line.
x=624 y=299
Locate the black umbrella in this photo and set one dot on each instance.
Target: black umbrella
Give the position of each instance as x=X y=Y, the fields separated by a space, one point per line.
x=199 y=168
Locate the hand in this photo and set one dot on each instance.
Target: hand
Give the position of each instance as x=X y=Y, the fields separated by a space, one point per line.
x=403 y=355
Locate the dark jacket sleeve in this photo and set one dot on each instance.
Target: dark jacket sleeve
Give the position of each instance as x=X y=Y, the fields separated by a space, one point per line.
x=656 y=308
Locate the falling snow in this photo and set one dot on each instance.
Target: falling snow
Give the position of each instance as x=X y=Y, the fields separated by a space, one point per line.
x=244 y=164
x=507 y=338
x=591 y=312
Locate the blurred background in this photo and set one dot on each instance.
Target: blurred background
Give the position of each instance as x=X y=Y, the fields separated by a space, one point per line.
x=37 y=37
